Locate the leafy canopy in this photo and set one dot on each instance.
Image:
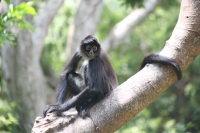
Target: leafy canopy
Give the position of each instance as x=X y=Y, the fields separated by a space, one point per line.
x=14 y=17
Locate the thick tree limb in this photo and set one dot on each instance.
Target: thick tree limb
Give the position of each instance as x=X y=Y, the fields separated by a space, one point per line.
x=123 y=29
x=128 y=99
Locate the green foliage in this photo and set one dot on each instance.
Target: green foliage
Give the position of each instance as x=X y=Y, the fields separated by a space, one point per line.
x=8 y=117
x=191 y=99
x=132 y=3
x=7 y=1
x=110 y=16
x=140 y=3
x=169 y=4
x=127 y=65
x=53 y=55
x=157 y=29
x=14 y=17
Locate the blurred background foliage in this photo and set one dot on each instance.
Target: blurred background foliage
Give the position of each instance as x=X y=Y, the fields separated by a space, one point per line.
x=14 y=17
x=177 y=110
x=8 y=117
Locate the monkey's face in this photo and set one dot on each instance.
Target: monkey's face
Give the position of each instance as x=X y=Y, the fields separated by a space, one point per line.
x=90 y=51
x=90 y=47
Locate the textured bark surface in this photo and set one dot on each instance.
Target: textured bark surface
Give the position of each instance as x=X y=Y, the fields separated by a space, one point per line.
x=128 y=99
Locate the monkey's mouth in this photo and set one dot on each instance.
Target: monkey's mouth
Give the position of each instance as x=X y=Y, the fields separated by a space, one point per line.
x=91 y=55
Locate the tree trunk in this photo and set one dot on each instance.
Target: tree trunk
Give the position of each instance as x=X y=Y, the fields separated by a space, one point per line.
x=24 y=79
x=128 y=99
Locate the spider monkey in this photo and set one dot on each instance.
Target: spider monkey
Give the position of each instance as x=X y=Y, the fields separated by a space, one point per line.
x=95 y=80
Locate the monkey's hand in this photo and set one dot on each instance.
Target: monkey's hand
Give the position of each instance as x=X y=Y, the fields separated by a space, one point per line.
x=51 y=108
x=84 y=112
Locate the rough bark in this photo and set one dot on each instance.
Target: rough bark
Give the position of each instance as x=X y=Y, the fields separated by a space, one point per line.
x=24 y=79
x=85 y=23
x=128 y=99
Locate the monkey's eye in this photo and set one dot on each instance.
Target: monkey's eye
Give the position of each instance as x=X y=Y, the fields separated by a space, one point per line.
x=95 y=48
x=87 y=47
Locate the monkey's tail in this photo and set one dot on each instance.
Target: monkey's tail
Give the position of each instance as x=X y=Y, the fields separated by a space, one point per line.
x=153 y=58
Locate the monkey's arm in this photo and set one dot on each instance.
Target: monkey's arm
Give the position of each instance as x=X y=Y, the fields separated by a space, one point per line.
x=79 y=99
x=64 y=85
x=70 y=68
x=163 y=60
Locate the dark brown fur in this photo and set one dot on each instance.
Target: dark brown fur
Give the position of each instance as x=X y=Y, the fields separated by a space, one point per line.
x=98 y=76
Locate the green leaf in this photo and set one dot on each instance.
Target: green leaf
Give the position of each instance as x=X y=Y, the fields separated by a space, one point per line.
x=133 y=3
x=14 y=17
x=26 y=8
x=7 y=1
x=25 y=24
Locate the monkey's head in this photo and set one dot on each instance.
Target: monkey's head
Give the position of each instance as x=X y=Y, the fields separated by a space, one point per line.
x=90 y=47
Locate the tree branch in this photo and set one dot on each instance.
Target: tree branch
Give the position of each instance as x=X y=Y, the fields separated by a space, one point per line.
x=128 y=99
x=42 y=23
x=123 y=29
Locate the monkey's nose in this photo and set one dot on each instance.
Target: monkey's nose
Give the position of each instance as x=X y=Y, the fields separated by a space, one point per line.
x=91 y=54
